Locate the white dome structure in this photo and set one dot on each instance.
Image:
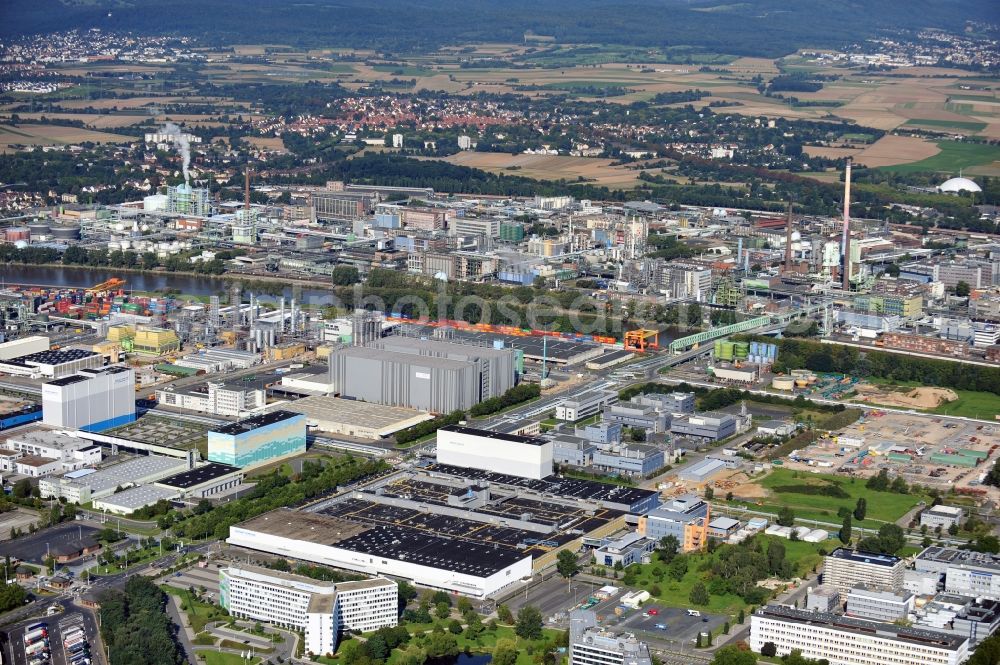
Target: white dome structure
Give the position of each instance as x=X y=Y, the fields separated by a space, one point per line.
x=958 y=186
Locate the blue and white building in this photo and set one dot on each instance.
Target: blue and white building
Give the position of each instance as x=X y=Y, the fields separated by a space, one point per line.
x=258 y=440
x=93 y=400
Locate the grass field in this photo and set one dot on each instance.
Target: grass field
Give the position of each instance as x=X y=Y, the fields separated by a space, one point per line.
x=803 y=556
x=951 y=124
x=199 y=613
x=970 y=403
x=882 y=506
x=954 y=156
x=221 y=658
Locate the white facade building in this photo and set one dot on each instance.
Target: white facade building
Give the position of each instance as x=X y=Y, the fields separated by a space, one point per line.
x=512 y=454
x=588 y=405
x=843 y=569
x=217 y=398
x=321 y=609
x=92 y=400
x=845 y=641
x=471 y=569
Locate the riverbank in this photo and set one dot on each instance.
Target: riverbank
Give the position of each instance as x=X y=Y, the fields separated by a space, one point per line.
x=187 y=283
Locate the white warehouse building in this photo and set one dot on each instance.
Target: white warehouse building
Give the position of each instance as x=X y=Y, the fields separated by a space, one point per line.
x=512 y=454
x=472 y=569
x=321 y=609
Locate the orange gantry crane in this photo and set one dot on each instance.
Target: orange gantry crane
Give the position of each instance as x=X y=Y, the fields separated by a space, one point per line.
x=639 y=340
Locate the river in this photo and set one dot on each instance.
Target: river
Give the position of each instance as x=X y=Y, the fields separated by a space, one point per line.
x=192 y=285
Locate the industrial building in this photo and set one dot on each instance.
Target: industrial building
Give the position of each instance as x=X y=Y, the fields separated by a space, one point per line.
x=941 y=516
x=590 y=644
x=846 y=641
x=701 y=471
x=69 y=452
x=511 y=454
x=52 y=364
x=975 y=574
x=215 y=397
x=585 y=405
x=460 y=529
x=93 y=400
x=428 y=375
x=843 y=569
x=204 y=481
x=322 y=610
x=686 y=518
x=258 y=440
x=884 y=606
x=710 y=426
x=350 y=417
x=24 y=346
x=458 y=566
x=82 y=487
x=625 y=550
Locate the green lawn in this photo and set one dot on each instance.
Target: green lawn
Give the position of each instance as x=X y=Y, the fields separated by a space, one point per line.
x=220 y=658
x=971 y=404
x=199 y=613
x=969 y=125
x=405 y=70
x=882 y=506
x=954 y=156
x=803 y=556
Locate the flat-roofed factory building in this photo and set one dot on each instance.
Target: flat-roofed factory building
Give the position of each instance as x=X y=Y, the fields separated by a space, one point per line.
x=355 y=418
x=459 y=566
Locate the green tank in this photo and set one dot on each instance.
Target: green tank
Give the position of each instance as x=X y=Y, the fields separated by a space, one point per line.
x=726 y=351
x=741 y=349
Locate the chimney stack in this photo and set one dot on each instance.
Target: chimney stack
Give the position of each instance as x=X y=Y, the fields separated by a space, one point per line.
x=788 y=239
x=847 y=228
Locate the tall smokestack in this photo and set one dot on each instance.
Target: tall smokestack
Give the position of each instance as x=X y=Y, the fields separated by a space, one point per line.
x=788 y=239
x=246 y=193
x=847 y=228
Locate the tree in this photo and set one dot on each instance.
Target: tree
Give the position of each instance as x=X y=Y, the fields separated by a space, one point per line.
x=345 y=276
x=455 y=627
x=709 y=493
x=668 y=548
x=22 y=489
x=678 y=568
x=861 y=509
x=786 y=516
x=11 y=596
x=566 y=564
x=529 y=623
x=699 y=594
x=993 y=477
x=769 y=649
x=845 y=530
x=732 y=655
x=504 y=653
x=962 y=289
x=442 y=610
x=879 y=482
x=694 y=316
x=504 y=615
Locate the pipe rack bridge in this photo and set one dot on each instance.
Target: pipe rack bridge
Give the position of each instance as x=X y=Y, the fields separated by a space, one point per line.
x=760 y=324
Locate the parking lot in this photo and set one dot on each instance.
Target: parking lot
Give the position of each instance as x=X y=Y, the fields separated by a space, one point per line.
x=33 y=548
x=670 y=623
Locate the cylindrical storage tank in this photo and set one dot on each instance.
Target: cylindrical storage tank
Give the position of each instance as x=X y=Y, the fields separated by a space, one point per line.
x=726 y=352
x=801 y=383
x=754 y=349
x=16 y=233
x=742 y=349
x=38 y=230
x=772 y=351
x=66 y=232
x=783 y=383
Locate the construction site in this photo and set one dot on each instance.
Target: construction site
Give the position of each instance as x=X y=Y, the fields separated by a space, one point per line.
x=942 y=453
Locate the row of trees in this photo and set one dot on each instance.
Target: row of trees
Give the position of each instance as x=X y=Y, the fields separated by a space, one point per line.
x=272 y=491
x=516 y=395
x=799 y=353
x=135 y=626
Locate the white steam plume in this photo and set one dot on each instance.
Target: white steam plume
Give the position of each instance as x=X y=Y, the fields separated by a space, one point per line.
x=179 y=139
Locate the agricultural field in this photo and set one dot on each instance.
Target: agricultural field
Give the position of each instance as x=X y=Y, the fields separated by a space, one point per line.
x=550 y=167
x=819 y=496
x=40 y=135
x=933 y=100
